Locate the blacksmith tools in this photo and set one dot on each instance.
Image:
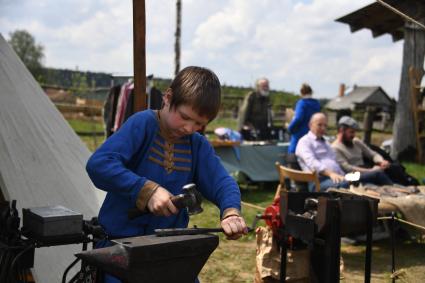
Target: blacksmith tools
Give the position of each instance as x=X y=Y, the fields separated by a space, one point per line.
x=190 y=199
x=151 y=259
x=189 y=231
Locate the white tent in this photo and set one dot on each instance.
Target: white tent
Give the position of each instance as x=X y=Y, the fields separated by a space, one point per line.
x=42 y=160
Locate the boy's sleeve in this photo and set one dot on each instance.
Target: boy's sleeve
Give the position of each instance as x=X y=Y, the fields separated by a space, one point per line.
x=108 y=166
x=214 y=182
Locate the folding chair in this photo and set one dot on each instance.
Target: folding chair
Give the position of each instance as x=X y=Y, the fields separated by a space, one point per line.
x=296 y=175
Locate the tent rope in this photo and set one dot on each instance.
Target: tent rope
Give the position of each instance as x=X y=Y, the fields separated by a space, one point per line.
x=403 y=221
x=253 y=205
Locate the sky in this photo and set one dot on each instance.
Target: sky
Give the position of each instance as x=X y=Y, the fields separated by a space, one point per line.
x=288 y=41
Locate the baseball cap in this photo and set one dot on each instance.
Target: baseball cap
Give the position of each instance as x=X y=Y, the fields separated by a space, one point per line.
x=348 y=122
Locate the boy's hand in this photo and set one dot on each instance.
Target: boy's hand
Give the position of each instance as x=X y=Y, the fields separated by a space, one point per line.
x=234 y=227
x=160 y=203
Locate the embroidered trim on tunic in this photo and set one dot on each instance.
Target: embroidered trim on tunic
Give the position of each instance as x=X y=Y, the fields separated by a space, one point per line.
x=169 y=167
x=183 y=151
x=168 y=157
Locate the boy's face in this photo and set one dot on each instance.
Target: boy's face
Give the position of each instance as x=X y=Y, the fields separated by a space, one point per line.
x=182 y=120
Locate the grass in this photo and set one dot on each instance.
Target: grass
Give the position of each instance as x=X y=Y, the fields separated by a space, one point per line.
x=234 y=261
x=86 y=125
x=416 y=170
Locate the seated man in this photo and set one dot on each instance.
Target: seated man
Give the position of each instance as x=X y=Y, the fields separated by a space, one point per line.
x=351 y=151
x=314 y=153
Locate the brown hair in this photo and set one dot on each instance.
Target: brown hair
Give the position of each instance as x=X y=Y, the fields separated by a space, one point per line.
x=198 y=87
x=305 y=89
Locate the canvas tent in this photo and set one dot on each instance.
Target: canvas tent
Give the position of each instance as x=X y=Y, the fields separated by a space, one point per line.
x=42 y=159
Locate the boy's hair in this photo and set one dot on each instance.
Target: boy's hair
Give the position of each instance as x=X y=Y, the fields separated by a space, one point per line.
x=198 y=87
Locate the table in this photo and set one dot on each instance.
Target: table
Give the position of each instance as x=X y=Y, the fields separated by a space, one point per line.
x=256 y=161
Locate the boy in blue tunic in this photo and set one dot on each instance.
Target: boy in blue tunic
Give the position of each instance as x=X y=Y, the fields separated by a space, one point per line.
x=155 y=153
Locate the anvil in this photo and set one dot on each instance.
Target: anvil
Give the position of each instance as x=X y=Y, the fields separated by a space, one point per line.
x=154 y=259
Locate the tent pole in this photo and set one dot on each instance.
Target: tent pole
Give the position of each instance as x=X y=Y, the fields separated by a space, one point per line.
x=139 y=54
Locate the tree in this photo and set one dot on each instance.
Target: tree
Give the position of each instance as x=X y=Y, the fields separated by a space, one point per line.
x=30 y=53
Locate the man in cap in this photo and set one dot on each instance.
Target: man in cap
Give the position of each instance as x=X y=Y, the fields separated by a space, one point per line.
x=351 y=151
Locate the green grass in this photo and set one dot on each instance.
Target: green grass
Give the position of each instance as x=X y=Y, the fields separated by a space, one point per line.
x=416 y=170
x=85 y=125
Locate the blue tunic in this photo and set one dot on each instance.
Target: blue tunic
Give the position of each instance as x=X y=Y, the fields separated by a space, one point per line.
x=304 y=109
x=137 y=153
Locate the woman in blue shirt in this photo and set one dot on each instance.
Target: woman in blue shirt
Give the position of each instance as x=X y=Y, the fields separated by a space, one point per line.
x=304 y=109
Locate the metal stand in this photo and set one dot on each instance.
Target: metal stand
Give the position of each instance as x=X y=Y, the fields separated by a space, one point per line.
x=337 y=214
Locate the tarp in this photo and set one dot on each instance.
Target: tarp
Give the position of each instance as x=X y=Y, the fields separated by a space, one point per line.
x=42 y=160
x=255 y=161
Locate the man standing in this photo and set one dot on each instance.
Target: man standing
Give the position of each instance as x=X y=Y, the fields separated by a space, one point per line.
x=351 y=151
x=255 y=118
x=314 y=153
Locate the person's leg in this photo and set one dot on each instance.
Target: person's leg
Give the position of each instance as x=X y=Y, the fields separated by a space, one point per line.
x=376 y=177
x=327 y=183
x=292 y=162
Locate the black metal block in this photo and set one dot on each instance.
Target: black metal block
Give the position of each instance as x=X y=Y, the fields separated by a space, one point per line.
x=152 y=259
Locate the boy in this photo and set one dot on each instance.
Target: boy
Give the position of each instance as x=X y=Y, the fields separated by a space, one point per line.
x=155 y=153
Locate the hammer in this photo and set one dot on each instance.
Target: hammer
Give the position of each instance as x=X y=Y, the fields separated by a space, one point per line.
x=190 y=199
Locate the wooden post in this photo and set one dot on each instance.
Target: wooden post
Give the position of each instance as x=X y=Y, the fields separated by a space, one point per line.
x=368 y=123
x=415 y=77
x=413 y=55
x=139 y=55
x=178 y=34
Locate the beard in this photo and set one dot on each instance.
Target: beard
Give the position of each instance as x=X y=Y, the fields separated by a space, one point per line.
x=347 y=142
x=264 y=92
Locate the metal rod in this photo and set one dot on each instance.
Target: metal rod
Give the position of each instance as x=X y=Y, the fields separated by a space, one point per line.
x=283 y=255
x=368 y=259
x=392 y=246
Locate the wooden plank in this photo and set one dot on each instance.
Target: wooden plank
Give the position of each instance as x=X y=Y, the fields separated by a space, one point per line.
x=139 y=54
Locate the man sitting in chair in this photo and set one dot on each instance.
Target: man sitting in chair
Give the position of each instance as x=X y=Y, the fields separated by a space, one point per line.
x=351 y=151
x=314 y=153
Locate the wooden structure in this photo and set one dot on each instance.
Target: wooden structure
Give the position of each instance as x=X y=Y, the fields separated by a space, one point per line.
x=418 y=109
x=372 y=102
x=382 y=18
x=296 y=175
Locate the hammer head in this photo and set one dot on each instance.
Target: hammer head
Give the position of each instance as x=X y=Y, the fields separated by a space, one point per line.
x=192 y=199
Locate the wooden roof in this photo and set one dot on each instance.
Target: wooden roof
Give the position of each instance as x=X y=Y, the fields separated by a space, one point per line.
x=361 y=95
x=381 y=20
